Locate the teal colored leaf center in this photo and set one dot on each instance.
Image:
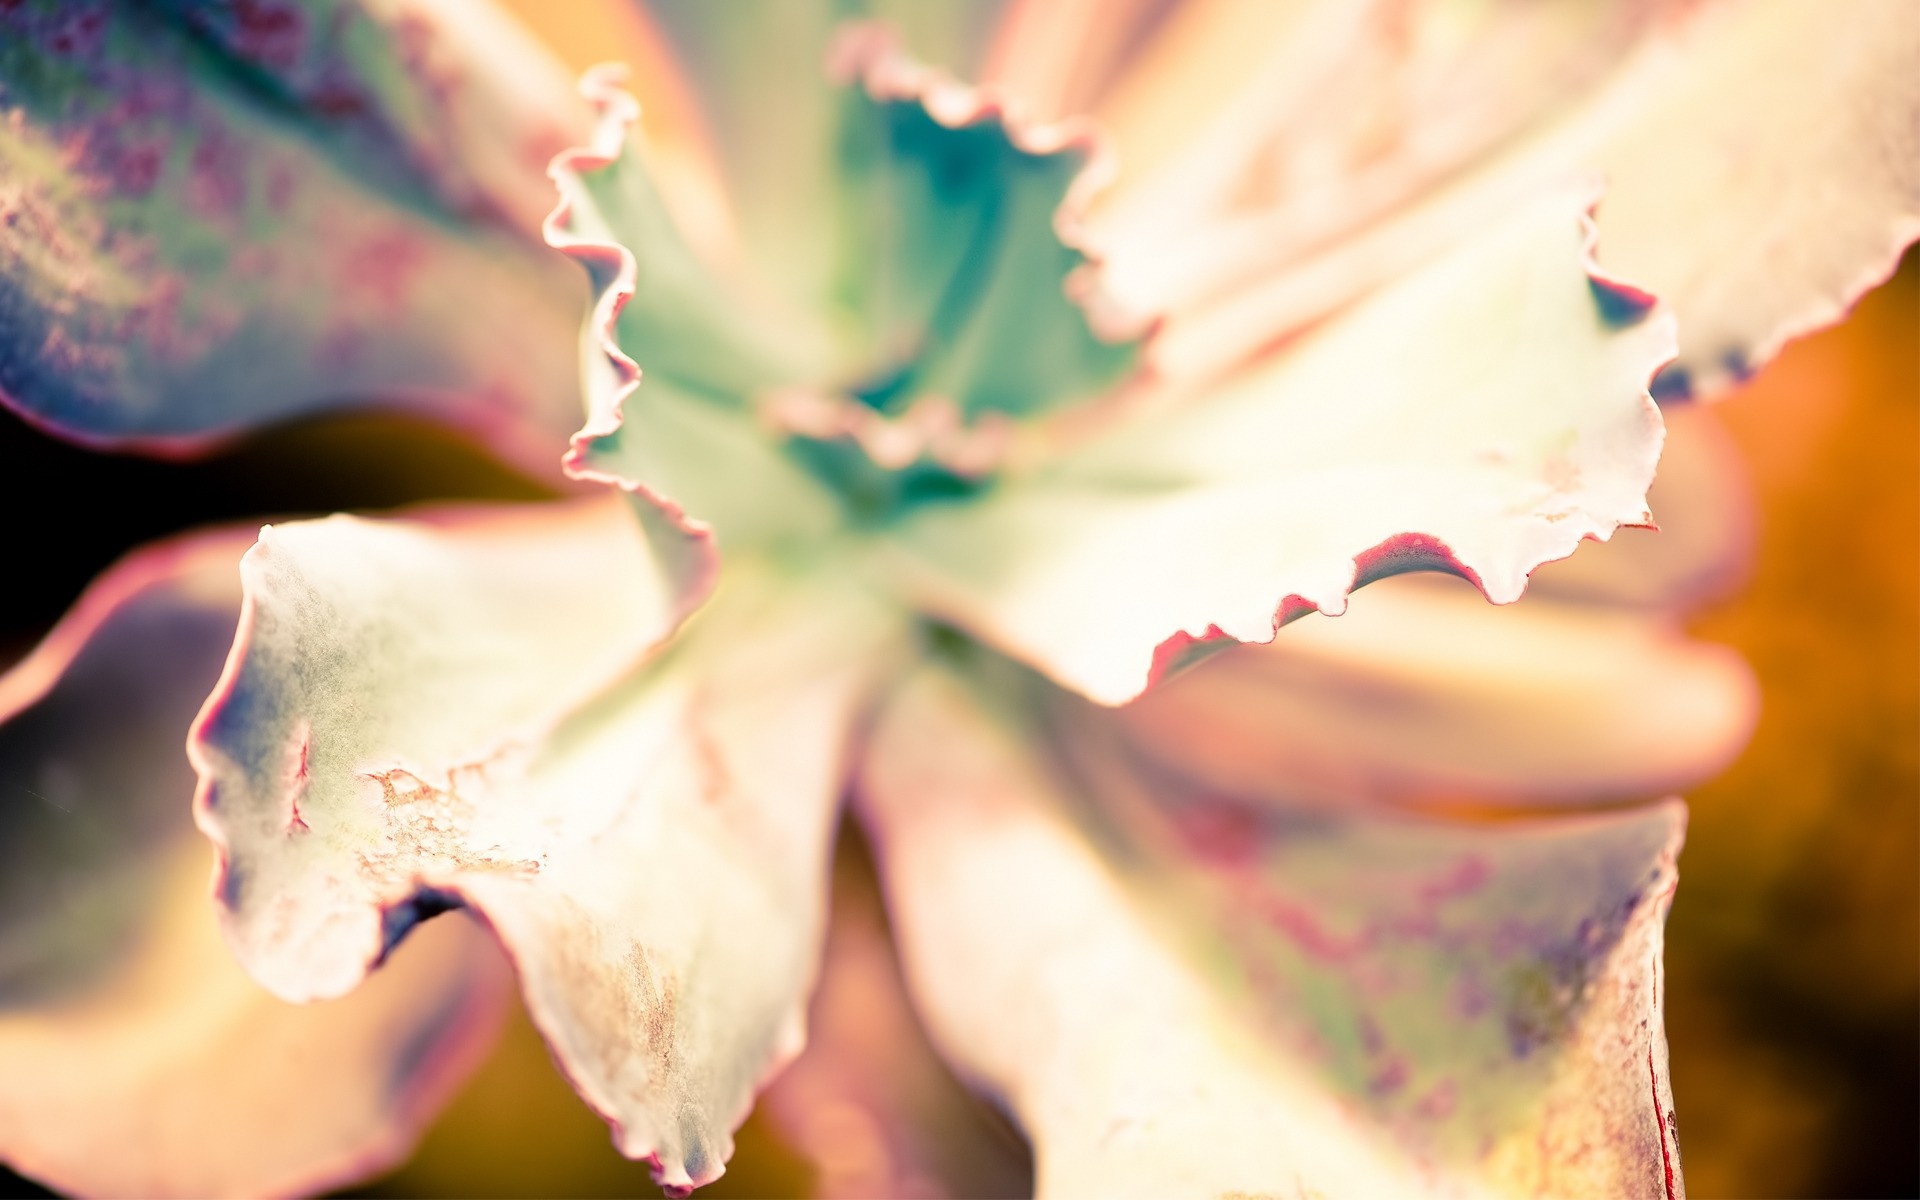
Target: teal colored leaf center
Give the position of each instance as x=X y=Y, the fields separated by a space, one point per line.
x=956 y=281
x=947 y=300
x=951 y=263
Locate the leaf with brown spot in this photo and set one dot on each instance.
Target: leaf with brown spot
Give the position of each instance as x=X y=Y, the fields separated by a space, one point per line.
x=503 y=716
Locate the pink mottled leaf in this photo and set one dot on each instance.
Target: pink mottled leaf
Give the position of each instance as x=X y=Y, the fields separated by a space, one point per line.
x=1178 y=995
x=139 y=1058
x=1484 y=416
x=452 y=92
x=196 y=245
x=480 y=712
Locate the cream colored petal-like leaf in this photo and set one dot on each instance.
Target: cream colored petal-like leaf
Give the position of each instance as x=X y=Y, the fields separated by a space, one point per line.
x=1485 y=416
x=1424 y=693
x=1760 y=162
x=1306 y=121
x=136 y=1057
x=1704 y=507
x=1181 y=997
x=481 y=714
x=1763 y=171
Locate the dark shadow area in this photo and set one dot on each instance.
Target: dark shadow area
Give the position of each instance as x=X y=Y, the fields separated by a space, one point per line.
x=69 y=512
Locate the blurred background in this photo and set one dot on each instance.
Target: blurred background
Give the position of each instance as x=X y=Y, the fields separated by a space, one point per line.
x=1793 y=960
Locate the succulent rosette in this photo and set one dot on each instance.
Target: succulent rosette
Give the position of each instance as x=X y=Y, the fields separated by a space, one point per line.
x=959 y=448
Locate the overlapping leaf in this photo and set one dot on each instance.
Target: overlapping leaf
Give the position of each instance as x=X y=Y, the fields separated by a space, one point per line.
x=1271 y=189
x=195 y=246
x=139 y=1057
x=474 y=713
x=1484 y=416
x=1180 y=996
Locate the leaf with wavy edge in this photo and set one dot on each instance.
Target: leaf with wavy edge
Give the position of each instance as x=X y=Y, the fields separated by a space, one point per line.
x=1423 y=693
x=417 y=716
x=757 y=71
x=964 y=254
x=679 y=147
x=674 y=313
x=1340 y=1006
x=1483 y=417
x=929 y=157
x=1703 y=546
x=1759 y=162
x=128 y=1032
x=190 y=256
x=686 y=445
x=1257 y=134
x=1764 y=173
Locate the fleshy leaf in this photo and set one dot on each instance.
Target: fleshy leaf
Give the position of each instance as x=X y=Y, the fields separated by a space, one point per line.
x=456 y=94
x=140 y=1059
x=677 y=318
x=956 y=219
x=757 y=69
x=869 y=1101
x=1483 y=417
x=1258 y=135
x=190 y=254
x=961 y=243
x=1223 y=1001
x=417 y=717
x=1759 y=163
x=1703 y=546
x=1424 y=693
x=1764 y=173
x=687 y=435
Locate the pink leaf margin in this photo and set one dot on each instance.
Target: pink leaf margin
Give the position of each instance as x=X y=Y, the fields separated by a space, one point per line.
x=869 y=53
x=696 y=562
x=35 y=674
x=615 y=111
x=162 y=447
x=456 y=1051
x=1621 y=304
